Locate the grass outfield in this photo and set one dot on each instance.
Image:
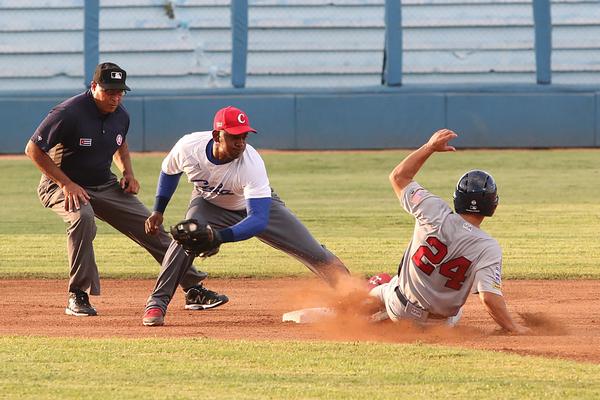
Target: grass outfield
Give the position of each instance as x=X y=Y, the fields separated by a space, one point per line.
x=547 y=221
x=547 y=224
x=203 y=368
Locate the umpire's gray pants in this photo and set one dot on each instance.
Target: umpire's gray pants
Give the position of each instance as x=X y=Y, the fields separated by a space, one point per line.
x=123 y=211
x=284 y=232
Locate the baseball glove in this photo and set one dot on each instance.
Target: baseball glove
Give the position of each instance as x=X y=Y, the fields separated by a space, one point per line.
x=197 y=239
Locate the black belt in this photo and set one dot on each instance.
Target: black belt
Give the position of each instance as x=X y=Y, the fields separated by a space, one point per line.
x=406 y=304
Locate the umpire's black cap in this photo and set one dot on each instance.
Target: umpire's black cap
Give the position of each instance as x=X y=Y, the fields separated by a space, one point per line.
x=110 y=76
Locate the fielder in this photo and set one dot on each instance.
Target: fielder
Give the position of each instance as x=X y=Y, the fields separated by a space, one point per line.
x=449 y=256
x=74 y=147
x=231 y=195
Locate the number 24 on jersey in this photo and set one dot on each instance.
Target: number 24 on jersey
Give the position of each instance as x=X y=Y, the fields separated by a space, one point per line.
x=426 y=260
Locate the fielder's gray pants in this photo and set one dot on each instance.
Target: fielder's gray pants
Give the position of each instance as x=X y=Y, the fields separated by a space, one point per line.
x=123 y=211
x=284 y=232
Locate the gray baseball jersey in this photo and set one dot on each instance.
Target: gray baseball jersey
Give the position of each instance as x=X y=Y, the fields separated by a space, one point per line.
x=446 y=259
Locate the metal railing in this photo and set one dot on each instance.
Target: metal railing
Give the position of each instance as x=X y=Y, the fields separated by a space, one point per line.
x=392 y=66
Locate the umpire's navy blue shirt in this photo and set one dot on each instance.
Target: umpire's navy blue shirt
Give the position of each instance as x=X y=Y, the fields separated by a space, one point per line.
x=81 y=140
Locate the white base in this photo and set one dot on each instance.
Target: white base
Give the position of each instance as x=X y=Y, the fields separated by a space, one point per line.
x=308 y=315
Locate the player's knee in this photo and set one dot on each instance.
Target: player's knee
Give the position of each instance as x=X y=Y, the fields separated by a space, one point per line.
x=84 y=219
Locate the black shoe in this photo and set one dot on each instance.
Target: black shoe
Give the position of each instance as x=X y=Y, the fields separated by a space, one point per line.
x=200 y=298
x=79 y=305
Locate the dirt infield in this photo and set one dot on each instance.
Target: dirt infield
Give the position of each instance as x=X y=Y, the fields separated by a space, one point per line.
x=565 y=316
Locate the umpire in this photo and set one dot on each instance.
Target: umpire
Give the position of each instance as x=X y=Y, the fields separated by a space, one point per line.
x=74 y=147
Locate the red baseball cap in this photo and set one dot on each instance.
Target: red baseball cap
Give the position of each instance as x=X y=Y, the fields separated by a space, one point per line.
x=232 y=120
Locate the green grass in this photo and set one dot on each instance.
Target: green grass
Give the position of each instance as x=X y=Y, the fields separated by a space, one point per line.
x=547 y=221
x=547 y=224
x=201 y=368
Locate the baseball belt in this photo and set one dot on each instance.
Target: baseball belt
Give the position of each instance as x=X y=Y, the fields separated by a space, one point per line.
x=415 y=311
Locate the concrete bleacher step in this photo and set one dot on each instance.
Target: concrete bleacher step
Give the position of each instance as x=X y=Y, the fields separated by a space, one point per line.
x=295 y=42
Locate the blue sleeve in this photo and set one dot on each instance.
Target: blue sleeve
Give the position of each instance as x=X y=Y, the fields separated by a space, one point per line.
x=256 y=221
x=167 y=184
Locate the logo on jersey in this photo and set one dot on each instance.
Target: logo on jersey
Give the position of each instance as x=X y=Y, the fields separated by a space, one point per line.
x=119 y=139
x=415 y=312
x=416 y=195
x=241 y=118
x=39 y=138
x=205 y=187
x=87 y=142
x=497 y=277
x=468 y=227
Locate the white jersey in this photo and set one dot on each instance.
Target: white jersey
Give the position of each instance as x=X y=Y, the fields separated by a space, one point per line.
x=224 y=185
x=447 y=257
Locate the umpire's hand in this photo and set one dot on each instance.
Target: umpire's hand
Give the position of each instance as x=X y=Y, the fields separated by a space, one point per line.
x=153 y=223
x=74 y=195
x=129 y=184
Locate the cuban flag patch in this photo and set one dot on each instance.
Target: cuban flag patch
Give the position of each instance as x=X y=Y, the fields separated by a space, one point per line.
x=85 y=142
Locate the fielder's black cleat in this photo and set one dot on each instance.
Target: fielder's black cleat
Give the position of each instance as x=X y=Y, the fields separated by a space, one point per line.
x=200 y=298
x=79 y=305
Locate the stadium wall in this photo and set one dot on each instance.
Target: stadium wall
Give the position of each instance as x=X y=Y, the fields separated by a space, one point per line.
x=517 y=116
x=313 y=74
